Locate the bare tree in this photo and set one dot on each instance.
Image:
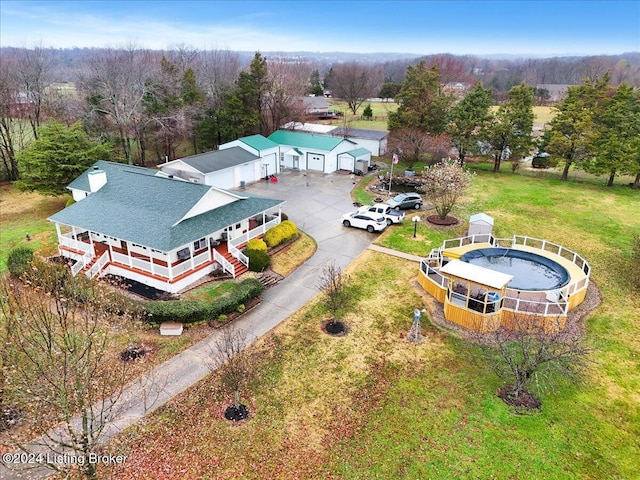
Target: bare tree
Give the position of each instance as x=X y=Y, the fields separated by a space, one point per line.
x=60 y=334
x=116 y=86
x=287 y=82
x=14 y=129
x=34 y=69
x=234 y=366
x=415 y=145
x=335 y=296
x=537 y=355
x=354 y=83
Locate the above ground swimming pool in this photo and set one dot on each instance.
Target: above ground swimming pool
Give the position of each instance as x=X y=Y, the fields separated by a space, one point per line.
x=530 y=271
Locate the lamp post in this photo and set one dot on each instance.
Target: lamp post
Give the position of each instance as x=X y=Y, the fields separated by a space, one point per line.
x=415 y=220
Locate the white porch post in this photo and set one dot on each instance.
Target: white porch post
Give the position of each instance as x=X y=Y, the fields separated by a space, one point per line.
x=93 y=250
x=110 y=248
x=193 y=265
x=128 y=255
x=75 y=237
x=168 y=255
x=59 y=233
x=151 y=264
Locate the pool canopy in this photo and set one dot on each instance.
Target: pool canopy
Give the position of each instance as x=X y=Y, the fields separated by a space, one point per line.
x=476 y=274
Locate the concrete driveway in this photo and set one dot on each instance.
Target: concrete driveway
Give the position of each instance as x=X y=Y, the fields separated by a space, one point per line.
x=315 y=203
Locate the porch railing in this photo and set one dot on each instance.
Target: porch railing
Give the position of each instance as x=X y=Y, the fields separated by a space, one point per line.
x=226 y=264
x=97 y=267
x=81 y=263
x=243 y=238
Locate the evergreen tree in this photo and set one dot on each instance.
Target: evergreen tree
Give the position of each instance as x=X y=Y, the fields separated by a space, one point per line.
x=315 y=87
x=423 y=105
x=468 y=118
x=572 y=130
x=57 y=157
x=508 y=134
x=617 y=135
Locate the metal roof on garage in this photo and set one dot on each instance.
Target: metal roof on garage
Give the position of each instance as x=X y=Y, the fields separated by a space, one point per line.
x=305 y=140
x=258 y=142
x=358 y=152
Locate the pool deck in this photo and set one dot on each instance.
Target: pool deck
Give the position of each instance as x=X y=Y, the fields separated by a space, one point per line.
x=575 y=273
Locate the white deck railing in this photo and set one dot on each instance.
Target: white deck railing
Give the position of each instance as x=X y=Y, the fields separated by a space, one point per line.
x=97 y=267
x=226 y=264
x=243 y=238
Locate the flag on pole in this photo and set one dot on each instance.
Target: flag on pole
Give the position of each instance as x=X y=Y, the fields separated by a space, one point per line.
x=395 y=158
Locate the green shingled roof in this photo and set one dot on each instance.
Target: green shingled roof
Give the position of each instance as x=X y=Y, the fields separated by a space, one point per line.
x=305 y=140
x=137 y=206
x=258 y=142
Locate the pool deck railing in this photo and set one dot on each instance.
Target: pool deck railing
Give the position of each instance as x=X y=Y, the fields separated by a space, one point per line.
x=550 y=304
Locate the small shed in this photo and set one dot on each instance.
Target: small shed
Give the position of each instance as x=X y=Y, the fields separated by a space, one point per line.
x=480 y=224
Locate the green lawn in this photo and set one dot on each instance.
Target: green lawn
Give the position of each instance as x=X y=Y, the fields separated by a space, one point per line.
x=371 y=406
x=23 y=213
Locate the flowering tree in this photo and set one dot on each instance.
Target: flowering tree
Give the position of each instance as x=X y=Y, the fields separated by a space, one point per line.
x=445 y=183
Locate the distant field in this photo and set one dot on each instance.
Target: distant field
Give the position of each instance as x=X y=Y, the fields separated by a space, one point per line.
x=542 y=115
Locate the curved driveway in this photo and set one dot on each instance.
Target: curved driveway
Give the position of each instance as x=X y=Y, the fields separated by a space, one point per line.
x=315 y=202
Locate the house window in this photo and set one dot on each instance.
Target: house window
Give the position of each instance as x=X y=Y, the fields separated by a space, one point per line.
x=198 y=244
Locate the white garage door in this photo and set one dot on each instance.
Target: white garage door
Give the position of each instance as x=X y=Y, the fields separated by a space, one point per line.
x=270 y=161
x=315 y=162
x=346 y=163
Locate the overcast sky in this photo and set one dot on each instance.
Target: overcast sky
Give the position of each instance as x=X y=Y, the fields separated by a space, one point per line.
x=476 y=27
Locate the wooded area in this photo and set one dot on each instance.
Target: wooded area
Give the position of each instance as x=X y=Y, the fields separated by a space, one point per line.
x=149 y=106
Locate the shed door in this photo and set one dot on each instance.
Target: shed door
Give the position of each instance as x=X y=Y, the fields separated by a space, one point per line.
x=345 y=163
x=315 y=162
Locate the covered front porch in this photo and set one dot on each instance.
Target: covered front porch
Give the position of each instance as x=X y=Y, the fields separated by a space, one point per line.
x=97 y=254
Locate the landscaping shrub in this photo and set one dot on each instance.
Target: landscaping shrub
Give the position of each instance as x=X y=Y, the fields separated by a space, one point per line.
x=258 y=260
x=70 y=202
x=19 y=261
x=281 y=233
x=190 y=311
x=257 y=244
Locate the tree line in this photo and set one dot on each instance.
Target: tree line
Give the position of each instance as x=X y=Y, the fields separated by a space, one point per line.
x=147 y=106
x=596 y=127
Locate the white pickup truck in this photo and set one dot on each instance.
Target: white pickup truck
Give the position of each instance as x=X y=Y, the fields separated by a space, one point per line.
x=391 y=215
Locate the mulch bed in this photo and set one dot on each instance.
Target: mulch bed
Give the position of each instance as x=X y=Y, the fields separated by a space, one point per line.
x=236 y=413
x=525 y=400
x=254 y=302
x=9 y=417
x=337 y=328
x=443 y=222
